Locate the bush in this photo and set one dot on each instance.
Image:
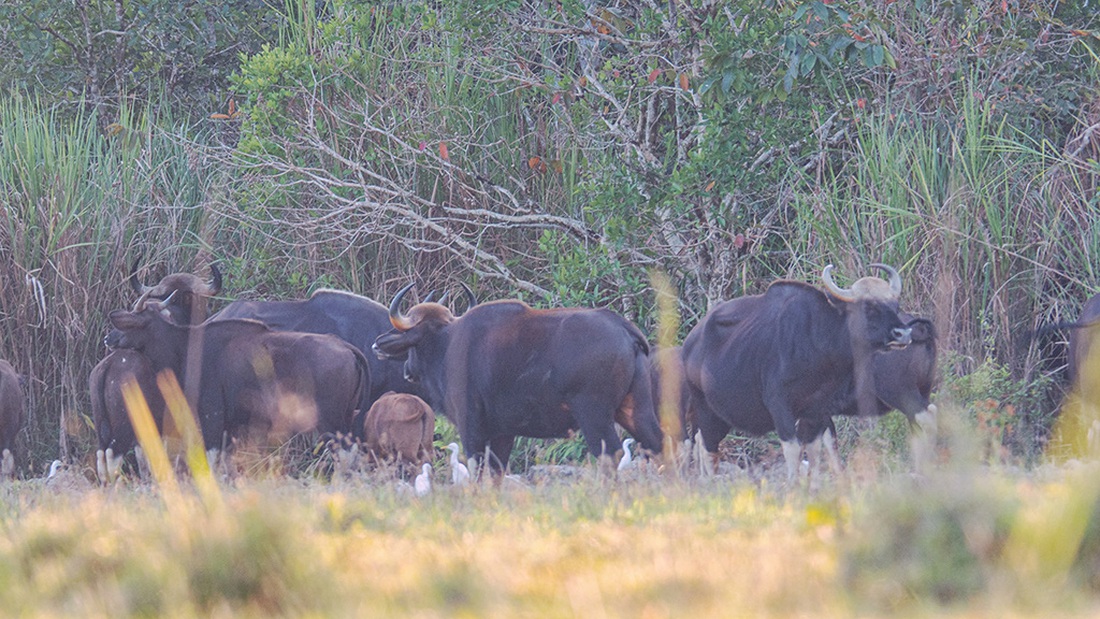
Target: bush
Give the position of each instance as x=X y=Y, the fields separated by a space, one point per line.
x=936 y=539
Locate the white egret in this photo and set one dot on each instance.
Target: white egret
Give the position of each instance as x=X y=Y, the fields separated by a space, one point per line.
x=460 y=475
x=627 y=460
x=423 y=483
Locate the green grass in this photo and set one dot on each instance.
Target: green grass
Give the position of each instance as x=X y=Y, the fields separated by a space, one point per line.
x=964 y=541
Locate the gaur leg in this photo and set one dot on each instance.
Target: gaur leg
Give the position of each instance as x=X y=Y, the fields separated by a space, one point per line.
x=595 y=420
x=500 y=450
x=782 y=415
x=817 y=434
x=101 y=466
x=829 y=439
x=712 y=429
x=923 y=441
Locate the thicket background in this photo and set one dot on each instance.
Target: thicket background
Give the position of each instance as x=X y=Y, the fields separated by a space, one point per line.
x=558 y=152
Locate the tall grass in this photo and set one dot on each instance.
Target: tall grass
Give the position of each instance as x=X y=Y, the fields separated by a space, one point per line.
x=79 y=207
x=992 y=229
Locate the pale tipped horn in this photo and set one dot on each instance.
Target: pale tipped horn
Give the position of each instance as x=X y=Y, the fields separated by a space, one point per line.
x=844 y=294
x=397 y=319
x=895 y=277
x=163 y=305
x=139 y=305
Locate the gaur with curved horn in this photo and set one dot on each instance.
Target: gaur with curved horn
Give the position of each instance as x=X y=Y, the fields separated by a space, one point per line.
x=503 y=370
x=783 y=359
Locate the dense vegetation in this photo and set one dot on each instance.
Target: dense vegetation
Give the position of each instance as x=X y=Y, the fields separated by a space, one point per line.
x=568 y=153
x=561 y=152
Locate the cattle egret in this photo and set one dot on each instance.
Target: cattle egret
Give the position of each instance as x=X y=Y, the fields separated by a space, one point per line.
x=627 y=459
x=423 y=483
x=55 y=466
x=459 y=473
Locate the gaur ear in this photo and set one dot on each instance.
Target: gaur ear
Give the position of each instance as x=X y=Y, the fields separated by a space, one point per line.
x=396 y=343
x=126 y=321
x=922 y=329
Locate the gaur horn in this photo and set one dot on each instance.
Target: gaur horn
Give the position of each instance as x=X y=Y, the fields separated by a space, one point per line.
x=397 y=319
x=844 y=294
x=471 y=298
x=139 y=288
x=214 y=286
x=895 y=277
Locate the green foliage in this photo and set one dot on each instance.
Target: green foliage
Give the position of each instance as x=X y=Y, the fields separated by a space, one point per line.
x=553 y=151
x=105 y=54
x=1006 y=412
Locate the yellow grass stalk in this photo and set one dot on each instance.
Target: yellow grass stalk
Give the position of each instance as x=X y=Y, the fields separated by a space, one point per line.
x=668 y=322
x=149 y=438
x=194 y=451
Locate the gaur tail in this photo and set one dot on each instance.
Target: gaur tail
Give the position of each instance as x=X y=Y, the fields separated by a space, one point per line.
x=360 y=415
x=640 y=343
x=1061 y=326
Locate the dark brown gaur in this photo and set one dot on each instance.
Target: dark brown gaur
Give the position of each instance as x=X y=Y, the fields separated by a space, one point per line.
x=503 y=370
x=252 y=383
x=784 y=358
x=115 y=435
x=11 y=417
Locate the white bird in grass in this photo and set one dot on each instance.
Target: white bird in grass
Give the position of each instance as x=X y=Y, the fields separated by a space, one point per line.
x=423 y=483
x=460 y=475
x=627 y=460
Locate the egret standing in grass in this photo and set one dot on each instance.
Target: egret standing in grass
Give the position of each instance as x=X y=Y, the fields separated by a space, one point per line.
x=423 y=483
x=627 y=460
x=459 y=473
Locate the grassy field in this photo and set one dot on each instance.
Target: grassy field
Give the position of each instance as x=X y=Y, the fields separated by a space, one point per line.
x=964 y=539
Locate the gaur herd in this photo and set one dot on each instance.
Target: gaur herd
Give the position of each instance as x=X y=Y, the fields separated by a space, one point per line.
x=372 y=378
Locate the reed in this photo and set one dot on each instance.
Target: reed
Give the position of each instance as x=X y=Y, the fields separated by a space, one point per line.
x=80 y=206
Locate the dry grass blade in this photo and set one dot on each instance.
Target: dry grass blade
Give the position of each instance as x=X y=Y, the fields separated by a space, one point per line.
x=149 y=438
x=196 y=458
